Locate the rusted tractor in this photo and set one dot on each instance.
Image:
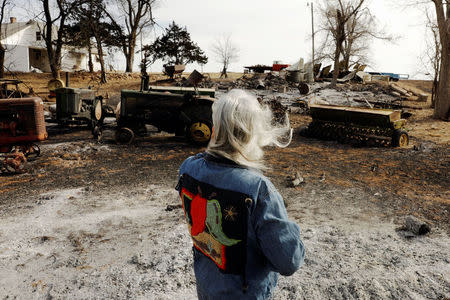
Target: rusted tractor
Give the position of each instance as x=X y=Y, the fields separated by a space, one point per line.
x=21 y=126
x=360 y=126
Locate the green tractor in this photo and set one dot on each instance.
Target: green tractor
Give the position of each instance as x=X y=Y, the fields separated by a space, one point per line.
x=180 y=110
x=80 y=106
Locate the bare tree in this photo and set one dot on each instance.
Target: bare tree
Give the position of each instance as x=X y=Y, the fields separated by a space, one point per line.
x=226 y=53
x=55 y=20
x=91 y=21
x=134 y=16
x=337 y=14
x=442 y=100
x=361 y=27
x=431 y=58
x=3 y=5
x=442 y=95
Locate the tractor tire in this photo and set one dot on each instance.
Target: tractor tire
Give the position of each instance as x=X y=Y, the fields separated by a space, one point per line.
x=199 y=132
x=400 y=138
x=124 y=136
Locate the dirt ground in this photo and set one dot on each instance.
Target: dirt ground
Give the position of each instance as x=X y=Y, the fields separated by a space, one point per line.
x=96 y=221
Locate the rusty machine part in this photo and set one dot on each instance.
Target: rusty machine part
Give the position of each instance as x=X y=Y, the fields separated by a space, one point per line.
x=177 y=110
x=21 y=125
x=362 y=126
x=54 y=84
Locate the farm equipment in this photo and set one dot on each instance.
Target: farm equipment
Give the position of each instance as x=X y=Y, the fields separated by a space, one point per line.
x=21 y=125
x=174 y=110
x=183 y=90
x=80 y=106
x=9 y=88
x=361 y=125
x=172 y=70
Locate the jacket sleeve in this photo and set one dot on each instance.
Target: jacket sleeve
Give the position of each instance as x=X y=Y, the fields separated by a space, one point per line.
x=278 y=237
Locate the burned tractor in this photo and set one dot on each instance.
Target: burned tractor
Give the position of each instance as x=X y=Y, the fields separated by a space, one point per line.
x=9 y=88
x=362 y=126
x=21 y=125
x=79 y=106
x=172 y=109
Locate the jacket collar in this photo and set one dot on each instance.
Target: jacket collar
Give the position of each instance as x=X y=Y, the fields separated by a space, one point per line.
x=221 y=160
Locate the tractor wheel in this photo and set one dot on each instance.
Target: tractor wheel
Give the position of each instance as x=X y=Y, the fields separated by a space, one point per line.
x=199 y=132
x=400 y=138
x=124 y=136
x=97 y=111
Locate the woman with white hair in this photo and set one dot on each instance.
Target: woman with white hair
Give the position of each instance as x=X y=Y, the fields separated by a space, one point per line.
x=236 y=218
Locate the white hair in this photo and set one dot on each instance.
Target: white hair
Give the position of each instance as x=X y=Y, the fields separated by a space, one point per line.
x=242 y=127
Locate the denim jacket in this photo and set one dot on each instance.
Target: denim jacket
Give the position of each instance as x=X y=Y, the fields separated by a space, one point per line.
x=273 y=242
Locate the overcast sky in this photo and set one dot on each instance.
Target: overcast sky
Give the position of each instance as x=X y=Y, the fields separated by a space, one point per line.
x=267 y=30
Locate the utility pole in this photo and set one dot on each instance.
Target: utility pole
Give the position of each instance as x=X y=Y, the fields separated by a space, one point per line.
x=312 y=31
x=141 y=47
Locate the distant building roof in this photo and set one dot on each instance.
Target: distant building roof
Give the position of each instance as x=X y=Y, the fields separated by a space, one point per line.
x=9 y=29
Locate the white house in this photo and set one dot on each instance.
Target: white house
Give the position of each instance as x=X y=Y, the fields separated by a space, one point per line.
x=26 y=49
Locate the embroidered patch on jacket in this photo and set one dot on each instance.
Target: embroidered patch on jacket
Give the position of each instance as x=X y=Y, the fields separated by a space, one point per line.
x=217 y=222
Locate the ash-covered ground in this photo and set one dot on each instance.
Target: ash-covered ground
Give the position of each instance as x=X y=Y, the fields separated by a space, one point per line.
x=126 y=244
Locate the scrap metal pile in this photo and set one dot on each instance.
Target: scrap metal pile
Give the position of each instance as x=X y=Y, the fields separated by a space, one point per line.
x=396 y=94
x=261 y=81
x=257 y=81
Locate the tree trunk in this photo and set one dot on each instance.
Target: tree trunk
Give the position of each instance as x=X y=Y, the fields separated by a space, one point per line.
x=90 y=63
x=346 y=53
x=56 y=70
x=130 y=56
x=129 y=62
x=346 y=63
x=224 y=73
x=55 y=63
x=2 y=61
x=442 y=103
x=340 y=37
x=434 y=91
x=102 y=62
